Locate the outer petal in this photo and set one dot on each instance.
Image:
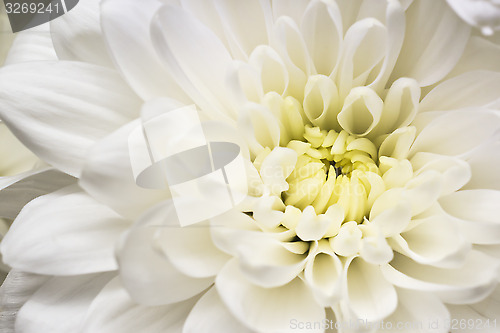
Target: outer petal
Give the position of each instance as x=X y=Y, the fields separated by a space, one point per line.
x=210 y=315
x=77 y=35
x=108 y=177
x=199 y=66
x=191 y=250
x=246 y=24
x=322 y=30
x=484 y=162
x=434 y=240
x=59 y=306
x=457 y=132
x=371 y=296
x=471 y=89
x=63 y=233
x=483 y=14
x=31 y=45
x=17 y=288
x=125 y=25
x=17 y=191
x=114 y=311
x=417 y=312
x=462 y=285
x=139 y=253
x=477 y=213
x=434 y=42
x=271 y=309
x=90 y=101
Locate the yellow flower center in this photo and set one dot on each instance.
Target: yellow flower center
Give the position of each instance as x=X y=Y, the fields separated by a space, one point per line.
x=332 y=168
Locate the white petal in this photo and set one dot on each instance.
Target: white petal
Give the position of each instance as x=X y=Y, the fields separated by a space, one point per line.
x=16 y=158
x=322 y=30
x=462 y=285
x=477 y=211
x=484 y=162
x=312 y=227
x=107 y=175
x=210 y=315
x=400 y=106
x=323 y=273
x=361 y=111
x=64 y=233
x=191 y=250
x=290 y=44
x=199 y=66
x=272 y=71
x=207 y=13
x=60 y=304
x=269 y=264
x=418 y=312
x=395 y=24
x=18 y=190
x=434 y=42
x=246 y=24
x=16 y=289
x=479 y=54
x=77 y=35
x=423 y=191
x=397 y=144
x=294 y=9
x=139 y=253
x=455 y=172
x=489 y=306
x=456 y=132
x=393 y=220
x=370 y=295
x=363 y=48
x=482 y=14
x=477 y=88
x=259 y=126
x=31 y=45
x=321 y=102
x=375 y=250
x=435 y=240
x=125 y=25
x=90 y=101
x=276 y=167
x=114 y=311
x=267 y=309
x=348 y=240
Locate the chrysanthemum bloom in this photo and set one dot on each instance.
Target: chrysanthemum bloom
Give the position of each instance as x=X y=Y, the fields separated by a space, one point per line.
x=369 y=129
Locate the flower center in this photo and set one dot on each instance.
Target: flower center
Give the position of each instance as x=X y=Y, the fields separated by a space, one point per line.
x=332 y=168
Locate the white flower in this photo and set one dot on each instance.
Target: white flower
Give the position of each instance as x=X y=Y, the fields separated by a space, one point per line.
x=370 y=132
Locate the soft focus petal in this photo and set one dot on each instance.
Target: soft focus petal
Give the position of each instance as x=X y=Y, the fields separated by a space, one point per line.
x=107 y=175
x=210 y=315
x=125 y=26
x=91 y=101
x=64 y=233
x=114 y=311
x=60 y=304
x=267 y=309
x=139 y=253
x=17 y=288
x=435 y=39
x=370 y=295
x=77 y=35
